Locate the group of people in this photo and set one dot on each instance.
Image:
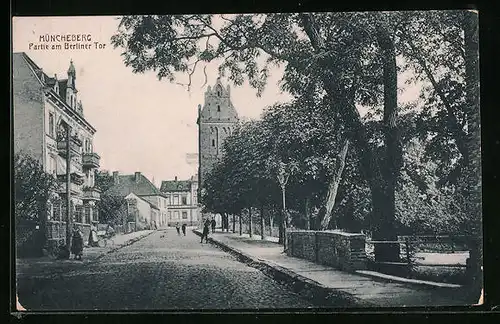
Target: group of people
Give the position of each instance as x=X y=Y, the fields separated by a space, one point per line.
x=183 y=227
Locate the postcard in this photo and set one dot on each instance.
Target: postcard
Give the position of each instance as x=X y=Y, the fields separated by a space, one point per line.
x=255 y=162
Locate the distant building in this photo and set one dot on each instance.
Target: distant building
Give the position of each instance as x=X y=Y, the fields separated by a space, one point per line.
x=43 y=106
x=216 y=121
x=142 y=212
x=140 y=186
x=182 y=201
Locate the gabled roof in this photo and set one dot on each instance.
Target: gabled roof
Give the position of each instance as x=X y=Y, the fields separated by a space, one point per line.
x=146 y=201
x=49 y=82
x=150 y=203
x=127 y=184
x=175 y=185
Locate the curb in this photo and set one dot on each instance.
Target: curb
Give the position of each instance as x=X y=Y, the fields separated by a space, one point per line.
x=305 y=287
x=423 y=283
x=118 y=247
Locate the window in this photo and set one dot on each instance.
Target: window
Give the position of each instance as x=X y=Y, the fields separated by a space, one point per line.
x=168 y=200
x=87 y=214
x=218 y=108
x=176 y=215
x=170 y=215
x=78 y=214
x=184 y=200
x=51 y=125
x=176 y=200
x=52 y=165
x=213 y=142
x=184 y=215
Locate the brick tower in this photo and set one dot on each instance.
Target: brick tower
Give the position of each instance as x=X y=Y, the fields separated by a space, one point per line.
x=216 y=121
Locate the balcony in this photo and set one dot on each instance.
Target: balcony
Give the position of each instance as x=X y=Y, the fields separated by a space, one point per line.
x=76 y=177
x=74 y=189
x=91 y=193
x=90 y=160
x=75 y=145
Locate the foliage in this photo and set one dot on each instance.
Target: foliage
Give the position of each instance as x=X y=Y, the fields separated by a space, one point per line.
x=332 y=63
x=112 y=210
x=33 y=188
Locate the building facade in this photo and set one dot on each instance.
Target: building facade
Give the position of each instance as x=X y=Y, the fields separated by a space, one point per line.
x=142 y=212
x=216 y=121
x=142 y=187
x=182 y=199
x=43 y=109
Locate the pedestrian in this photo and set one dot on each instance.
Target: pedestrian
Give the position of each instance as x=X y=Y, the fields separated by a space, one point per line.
x=77 y=244
x=93 y=240
x=213 y=223
x=206 y=230
x=184 y=229
x=178 y=229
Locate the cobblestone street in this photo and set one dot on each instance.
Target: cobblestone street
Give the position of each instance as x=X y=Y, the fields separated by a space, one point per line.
x=160 y=272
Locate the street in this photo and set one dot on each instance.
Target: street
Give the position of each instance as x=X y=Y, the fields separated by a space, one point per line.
x=163 y=271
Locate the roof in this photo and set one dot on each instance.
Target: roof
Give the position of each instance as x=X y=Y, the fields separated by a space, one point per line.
x=47 y=81
x=127 y=184
x=150 y=203
x=175 y=185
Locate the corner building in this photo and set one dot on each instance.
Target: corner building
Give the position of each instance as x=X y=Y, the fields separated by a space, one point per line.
x=42 y=106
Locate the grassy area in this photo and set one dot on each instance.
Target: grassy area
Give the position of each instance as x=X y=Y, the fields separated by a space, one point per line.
x=455 y=275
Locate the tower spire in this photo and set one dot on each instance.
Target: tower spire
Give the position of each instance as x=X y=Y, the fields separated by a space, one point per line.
x=71 y=74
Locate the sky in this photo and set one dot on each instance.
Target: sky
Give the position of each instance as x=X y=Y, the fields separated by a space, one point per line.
x=143 y=124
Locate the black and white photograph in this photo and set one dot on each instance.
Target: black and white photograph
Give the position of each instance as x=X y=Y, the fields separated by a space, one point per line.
x=247 y=162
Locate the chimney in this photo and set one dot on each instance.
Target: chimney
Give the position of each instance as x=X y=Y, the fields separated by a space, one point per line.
x=175 y=178
x=115 y=177
x=137 y=176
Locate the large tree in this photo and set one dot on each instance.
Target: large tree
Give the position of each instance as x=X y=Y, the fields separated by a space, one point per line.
x=33 y=188
x=352 y=55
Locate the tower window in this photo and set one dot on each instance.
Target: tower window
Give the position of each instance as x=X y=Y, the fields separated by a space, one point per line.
x=213 y=142
x=218 y=108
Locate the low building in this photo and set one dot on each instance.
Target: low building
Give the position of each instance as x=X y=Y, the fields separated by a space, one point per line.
x=140 y=186
x=141 y=212
x=182 y=201
x=44 y=107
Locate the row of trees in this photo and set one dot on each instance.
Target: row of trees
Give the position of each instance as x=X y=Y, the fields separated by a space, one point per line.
x=318 y=149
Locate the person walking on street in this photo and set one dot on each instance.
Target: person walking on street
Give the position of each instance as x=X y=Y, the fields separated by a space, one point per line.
x=178 y=229
x=184 y=229
x=213 y=223
x=206 y=230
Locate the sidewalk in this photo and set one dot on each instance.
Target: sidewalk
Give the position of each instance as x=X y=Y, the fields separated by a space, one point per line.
x=345 y=289
x=49 y=265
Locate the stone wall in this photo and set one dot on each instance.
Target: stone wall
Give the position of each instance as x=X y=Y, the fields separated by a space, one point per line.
x=344 y=251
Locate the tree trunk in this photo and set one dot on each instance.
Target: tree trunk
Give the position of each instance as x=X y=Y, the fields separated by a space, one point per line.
x=271 y=223
x=234 y=223
x=250 y=221
x=307 y=213
x=382 y=202
x=473 y=185
x=333 y=188
x=241 y=225
x=284 y=217
x=262 y=226
x=392 y=165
